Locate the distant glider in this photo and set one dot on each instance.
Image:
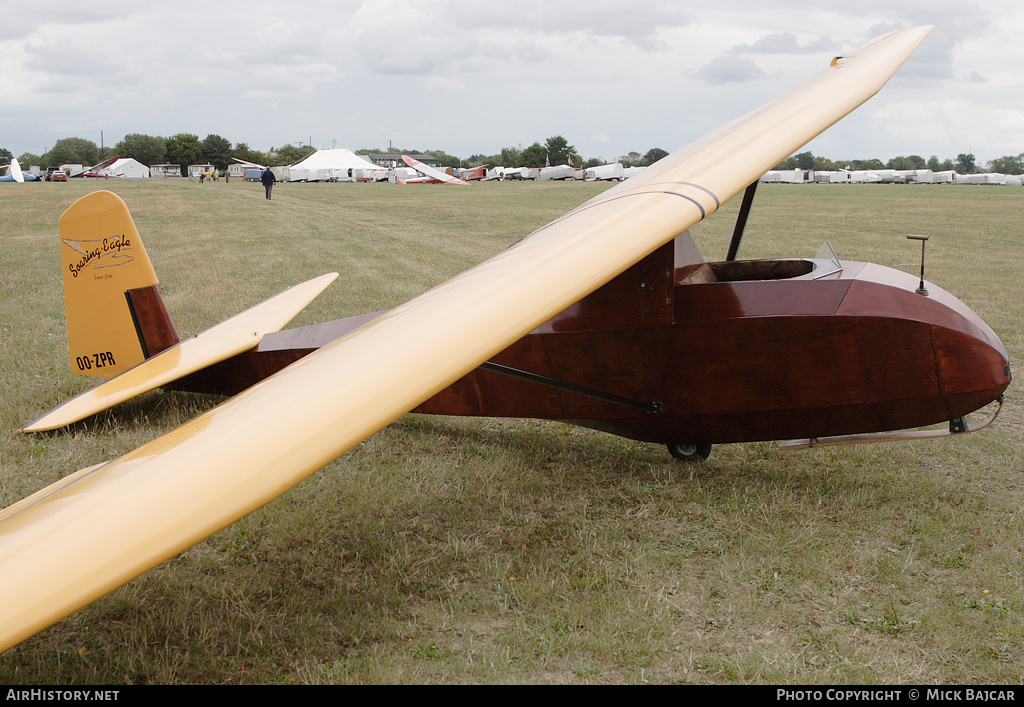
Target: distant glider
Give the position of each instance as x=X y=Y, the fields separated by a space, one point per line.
x=14 y=174
x=431 y=174
x=99 y=171
x=607 y=317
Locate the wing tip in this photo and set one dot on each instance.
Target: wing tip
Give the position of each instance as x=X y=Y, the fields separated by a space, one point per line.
x=38 y=425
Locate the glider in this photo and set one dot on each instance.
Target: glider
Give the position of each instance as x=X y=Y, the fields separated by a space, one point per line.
x=14 y=174
x=97 y=171
x=618 y=278
x=432 y=175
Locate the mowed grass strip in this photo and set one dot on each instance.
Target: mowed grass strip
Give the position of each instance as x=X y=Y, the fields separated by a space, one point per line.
x=463 y=550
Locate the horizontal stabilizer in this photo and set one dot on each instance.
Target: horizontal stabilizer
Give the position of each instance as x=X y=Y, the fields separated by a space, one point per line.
x=229 y=338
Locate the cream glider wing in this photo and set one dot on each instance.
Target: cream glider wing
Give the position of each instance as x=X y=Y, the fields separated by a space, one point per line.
x=73 y=542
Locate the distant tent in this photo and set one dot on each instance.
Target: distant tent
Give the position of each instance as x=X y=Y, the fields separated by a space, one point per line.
x=128 y=167
x=335 y=164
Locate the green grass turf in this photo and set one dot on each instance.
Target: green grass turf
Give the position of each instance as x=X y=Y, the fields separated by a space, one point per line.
x=461 y=550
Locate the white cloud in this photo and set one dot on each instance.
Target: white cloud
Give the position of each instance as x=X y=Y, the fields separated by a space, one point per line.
x=782 y=43
x=612 y=77
x=729 y=69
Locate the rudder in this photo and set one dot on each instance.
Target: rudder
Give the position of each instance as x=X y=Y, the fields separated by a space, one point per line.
x=115 y=315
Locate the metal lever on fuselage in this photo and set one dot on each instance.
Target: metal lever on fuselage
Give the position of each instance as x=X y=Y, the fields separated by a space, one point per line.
x=921 y=289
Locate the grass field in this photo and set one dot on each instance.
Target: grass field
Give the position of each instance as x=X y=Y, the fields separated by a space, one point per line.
x=516 y=551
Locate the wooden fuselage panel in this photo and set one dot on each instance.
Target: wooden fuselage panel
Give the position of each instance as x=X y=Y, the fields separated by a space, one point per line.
x=858 y=351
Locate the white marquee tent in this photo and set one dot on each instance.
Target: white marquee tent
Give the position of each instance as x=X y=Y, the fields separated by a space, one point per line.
x=332 y=164
x=127 y=167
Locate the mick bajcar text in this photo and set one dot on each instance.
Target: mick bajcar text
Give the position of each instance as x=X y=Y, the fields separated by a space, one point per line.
x=962 y=694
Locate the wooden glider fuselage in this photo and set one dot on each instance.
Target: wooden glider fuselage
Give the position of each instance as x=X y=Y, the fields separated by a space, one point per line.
x=735 y=351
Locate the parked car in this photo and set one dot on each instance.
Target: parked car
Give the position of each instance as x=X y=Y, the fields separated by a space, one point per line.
x=58 y=176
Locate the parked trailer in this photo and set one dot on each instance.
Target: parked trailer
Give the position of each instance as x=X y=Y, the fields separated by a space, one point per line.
x=915 y=176
x=864 y=176
x=360 y=174
x=470 y=174
x=556 y=173
x=238 y=170
x=983 y=178
x=402 y=174
x=521 y=173
x=605 y=172
x=787 y=176
x=887 y=176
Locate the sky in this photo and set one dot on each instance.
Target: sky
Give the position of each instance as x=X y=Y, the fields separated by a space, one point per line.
x=472 y=76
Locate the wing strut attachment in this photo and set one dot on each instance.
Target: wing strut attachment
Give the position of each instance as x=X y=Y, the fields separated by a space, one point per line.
x=571 y=387
x=741 y=221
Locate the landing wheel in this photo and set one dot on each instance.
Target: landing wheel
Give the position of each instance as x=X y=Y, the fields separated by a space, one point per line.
x=690 y=452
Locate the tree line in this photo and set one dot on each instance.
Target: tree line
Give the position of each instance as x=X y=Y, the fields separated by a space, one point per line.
x=963 y=164
x=556 y=150
x=184 y=149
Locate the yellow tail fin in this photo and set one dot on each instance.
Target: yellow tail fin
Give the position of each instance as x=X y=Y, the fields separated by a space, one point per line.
x=115 y=315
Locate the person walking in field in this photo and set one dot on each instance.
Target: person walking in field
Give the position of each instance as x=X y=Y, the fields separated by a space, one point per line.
x=268 y=180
